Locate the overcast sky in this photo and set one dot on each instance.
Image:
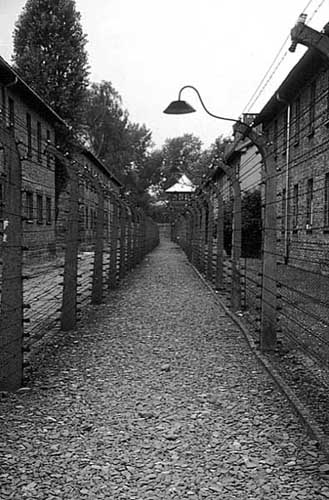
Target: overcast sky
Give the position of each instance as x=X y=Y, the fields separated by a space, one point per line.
x=149 y=49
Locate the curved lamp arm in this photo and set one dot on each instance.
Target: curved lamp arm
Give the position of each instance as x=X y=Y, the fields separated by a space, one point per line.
x=203 y=105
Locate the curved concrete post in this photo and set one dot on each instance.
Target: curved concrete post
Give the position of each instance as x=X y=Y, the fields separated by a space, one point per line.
x=268 y=334
x=230 y=171
x=198 y=238
x=310 y=38
x=122 y=239
x=219 y=278
x=210 y=239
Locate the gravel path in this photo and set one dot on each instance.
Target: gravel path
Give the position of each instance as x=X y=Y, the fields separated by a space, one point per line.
x=155 y=396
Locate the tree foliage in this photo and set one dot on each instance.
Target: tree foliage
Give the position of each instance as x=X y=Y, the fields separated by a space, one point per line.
x=251 y=232
x=107 y=122
x=181 y=155
x=122 y=145
x=50 y=55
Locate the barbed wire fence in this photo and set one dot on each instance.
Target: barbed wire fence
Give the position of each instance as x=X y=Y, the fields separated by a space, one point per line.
x=278 y=289
x=57 y=256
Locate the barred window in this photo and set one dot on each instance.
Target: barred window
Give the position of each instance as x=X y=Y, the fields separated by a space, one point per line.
x=326 y=201
x=1 y=201
x=86 y=218
x=48 y=153
x=3 y=102
x=295 y=208
x=11 y=116
x=39 y=209
x=297 y=121
x=29 y=134
x=48 y=210
x=309 y=203
x=312 y=108
x=29 y=206
x=285 y=131
x=275 y=137
x=39 y=141
x=283 y=210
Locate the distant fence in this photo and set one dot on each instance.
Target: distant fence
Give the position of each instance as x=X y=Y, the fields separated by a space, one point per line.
x=55 y=260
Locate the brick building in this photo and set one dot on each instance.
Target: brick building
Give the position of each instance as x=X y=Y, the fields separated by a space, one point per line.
x=95 y=171
x=296 y=121
x=32 y=122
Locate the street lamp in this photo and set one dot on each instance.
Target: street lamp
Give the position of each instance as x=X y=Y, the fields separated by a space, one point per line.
x=182 y=107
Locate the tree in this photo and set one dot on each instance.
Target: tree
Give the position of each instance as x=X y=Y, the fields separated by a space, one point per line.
x=50 y=55
x=114 y=139
x=107 y=123
x=181 y=155
x=251 y=233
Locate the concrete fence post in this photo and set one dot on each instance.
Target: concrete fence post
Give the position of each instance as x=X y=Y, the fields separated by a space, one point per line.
x=219 y=276
x=269 y=314
x=69 y=299
x=11 y=319
x=210 y=238
x=122 y=221
x=236 y=244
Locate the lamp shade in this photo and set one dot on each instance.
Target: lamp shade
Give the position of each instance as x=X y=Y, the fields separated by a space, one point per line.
x=179 y=108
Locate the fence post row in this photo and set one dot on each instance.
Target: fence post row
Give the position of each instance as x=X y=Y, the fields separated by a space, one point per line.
x=131 y=236
x=202 y=232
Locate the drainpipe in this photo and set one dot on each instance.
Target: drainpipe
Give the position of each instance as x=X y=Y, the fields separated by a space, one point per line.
x=286 y=222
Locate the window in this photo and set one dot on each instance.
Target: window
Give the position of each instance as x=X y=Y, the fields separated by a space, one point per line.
x=3 y=102
x=327 y=121
x=48 y=153
x=275 y=137
x=297 y=121
x=11 y=116
x=285 y=131
x=309 y=203
x=106 y=224
x=1 y=201
x=39 y=141
x=2 y=161
x=39 y=209
x=283 y=211
x=312 y=108
x=86 y=218
x=326 y=201
x=29 y=135
x=295 y=208
x=29 y=206
x=48 y=210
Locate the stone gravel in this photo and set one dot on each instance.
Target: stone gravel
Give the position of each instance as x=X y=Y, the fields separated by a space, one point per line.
x=155 y=396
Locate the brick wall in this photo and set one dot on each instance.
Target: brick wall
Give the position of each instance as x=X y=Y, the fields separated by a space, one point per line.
x=302 y=162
